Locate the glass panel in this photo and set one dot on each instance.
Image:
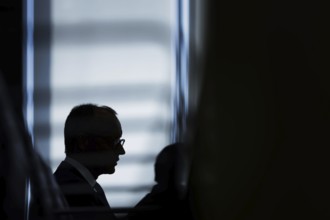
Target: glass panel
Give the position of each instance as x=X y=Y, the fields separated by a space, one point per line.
x=115 y=53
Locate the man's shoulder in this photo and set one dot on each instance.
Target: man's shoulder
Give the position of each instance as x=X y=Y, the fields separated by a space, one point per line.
x=75 y=188
x=71 y=182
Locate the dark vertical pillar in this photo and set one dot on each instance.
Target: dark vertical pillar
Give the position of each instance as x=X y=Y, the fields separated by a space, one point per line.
x=11 y=48
x=12 y=179
x=261 y=143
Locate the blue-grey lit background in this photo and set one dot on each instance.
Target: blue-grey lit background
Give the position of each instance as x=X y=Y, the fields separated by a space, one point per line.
x=125 y=54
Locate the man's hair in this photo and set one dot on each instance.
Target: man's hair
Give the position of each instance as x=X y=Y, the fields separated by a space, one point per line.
x=88 y=121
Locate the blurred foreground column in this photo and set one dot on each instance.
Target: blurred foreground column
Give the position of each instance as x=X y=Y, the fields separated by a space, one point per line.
x=260 y=136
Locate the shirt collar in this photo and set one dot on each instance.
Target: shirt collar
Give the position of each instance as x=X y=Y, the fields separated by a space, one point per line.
x=82 y=170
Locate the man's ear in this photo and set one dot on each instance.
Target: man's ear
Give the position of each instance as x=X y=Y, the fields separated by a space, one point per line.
x=83 y=144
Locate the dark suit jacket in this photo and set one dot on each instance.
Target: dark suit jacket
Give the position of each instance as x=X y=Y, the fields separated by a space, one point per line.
x=161 y=205
x=80 y=194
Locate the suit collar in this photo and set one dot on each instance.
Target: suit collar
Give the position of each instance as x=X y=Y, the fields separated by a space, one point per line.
x=82 y=170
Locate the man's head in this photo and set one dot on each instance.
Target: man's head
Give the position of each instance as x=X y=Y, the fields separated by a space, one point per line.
x=166 y=165
x=92 y=134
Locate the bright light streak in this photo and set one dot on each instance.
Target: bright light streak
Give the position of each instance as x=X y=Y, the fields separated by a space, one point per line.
x=181 y=89
x=28 y=79
x=29 y=66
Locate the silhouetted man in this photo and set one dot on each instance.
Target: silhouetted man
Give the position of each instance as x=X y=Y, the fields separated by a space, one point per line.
x=164 y=202
x=92 y=145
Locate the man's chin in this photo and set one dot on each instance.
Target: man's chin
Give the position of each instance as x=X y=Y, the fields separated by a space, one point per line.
x=110 y=171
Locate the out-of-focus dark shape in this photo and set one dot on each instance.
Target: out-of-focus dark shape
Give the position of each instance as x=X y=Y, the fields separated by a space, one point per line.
x=261 y=130
x=22 y=169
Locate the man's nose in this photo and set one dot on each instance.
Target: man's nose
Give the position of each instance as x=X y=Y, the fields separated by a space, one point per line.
x=121 y=150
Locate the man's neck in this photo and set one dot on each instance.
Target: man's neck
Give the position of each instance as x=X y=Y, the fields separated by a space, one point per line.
x=86 y=162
